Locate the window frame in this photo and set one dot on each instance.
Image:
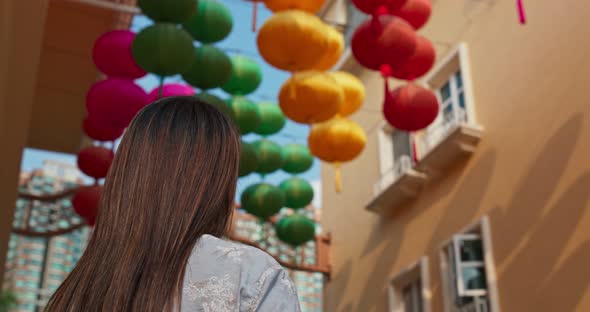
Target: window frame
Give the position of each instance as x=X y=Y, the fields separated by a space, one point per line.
x=418 y=271
x=448 y=271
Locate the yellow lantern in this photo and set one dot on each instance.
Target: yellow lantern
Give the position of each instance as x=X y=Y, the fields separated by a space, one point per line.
x=333 y=52
x=292 y=40
x=336 y=141
x=310 y=97
x=354 y=92
x=310 y=6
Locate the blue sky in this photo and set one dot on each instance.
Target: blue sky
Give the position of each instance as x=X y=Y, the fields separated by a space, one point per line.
x=241 y=41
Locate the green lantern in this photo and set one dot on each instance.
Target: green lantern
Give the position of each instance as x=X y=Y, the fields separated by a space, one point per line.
x=262 y=200
x=211 y=23
x=211 y=68
x=248 y=159
x=163 y=49
x=245 y=78
x=295 y=229
x=171 y=11
x=296 y=158
x=272 y=119
x=269 y=156
x=245 y=114
x=298 y=192
x=215 y=101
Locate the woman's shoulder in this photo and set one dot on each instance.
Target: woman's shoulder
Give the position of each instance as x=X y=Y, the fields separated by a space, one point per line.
x=217 y=251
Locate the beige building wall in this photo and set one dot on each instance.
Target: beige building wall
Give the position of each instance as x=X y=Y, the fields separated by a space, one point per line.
x=530 y=173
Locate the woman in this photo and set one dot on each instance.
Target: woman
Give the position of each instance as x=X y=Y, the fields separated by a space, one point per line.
x=167 y=200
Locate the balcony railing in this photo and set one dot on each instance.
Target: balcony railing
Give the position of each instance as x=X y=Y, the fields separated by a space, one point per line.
x=401 y=166
x=436 y=134
x=479 y=304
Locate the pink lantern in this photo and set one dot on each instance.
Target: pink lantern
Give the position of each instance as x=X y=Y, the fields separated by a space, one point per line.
x=410 y=108
x=112 y=55
x=98 y=133
x=171 y=89
x=113 y=102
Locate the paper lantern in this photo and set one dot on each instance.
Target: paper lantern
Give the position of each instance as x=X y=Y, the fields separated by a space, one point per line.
x=419 y=64
x=262 y=200
x=95 y=161
x=245 y=114
x=163 y=49
x=310 y=6
x=113 y=102
x=173 y=11
x=296 y=158
x=333 y=51
x=415 y=12
x=112 y=55
x=245 y=76
x=212 y=22
x=385 y=40
x=215 y=101
x=373 y=6
x=86 y=202
x=354 y=92
x=269 y=156
x=298 y=192
x=292 y=40
x=410 y=107
x=170 y=89
x=248 y=159
x=272 y=119
x=336 y=141
x=211 y=68
x=98 y=133
x=311 y=97
x=295 y=229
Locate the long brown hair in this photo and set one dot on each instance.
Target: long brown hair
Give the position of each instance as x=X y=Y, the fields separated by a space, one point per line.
x=173 y=179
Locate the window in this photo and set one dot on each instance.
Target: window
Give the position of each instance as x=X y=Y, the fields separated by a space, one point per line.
x=402 y=146
x=468 y=269
x=409 y=290
x=452 y=98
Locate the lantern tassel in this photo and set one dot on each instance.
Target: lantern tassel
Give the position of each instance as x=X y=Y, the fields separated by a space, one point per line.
x=521 y=13
x=254 y=15
x=161 y=87
x=337 y=177
x=292 y=91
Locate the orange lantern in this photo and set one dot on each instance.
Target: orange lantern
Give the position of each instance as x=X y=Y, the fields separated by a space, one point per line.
x=310 y=6
x=311 y=97
x=354 y=92
x=293 y=40
x=333 y=51
x=336 y=141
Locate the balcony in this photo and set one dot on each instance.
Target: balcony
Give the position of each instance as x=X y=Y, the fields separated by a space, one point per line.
x=396 y=187
x=444 y=144
x=451 y=138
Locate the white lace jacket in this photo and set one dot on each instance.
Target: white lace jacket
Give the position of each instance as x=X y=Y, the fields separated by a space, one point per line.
x=222 y=276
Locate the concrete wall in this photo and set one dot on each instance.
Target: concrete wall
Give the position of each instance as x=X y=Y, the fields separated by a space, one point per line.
x=530 y=173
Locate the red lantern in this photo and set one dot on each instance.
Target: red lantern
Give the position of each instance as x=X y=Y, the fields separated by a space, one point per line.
x=416 y=12
x=410 y=108
x=95 y=161
x=112 y=55
x=372 y=6
x=419 y=64
x=86 y=202
x=98 y=133
x=114 y=102
x=385 y=40
x=170 y=89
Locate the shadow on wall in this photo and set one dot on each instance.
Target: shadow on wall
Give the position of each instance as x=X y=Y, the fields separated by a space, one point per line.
x=374 y=295
x=530 y=239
